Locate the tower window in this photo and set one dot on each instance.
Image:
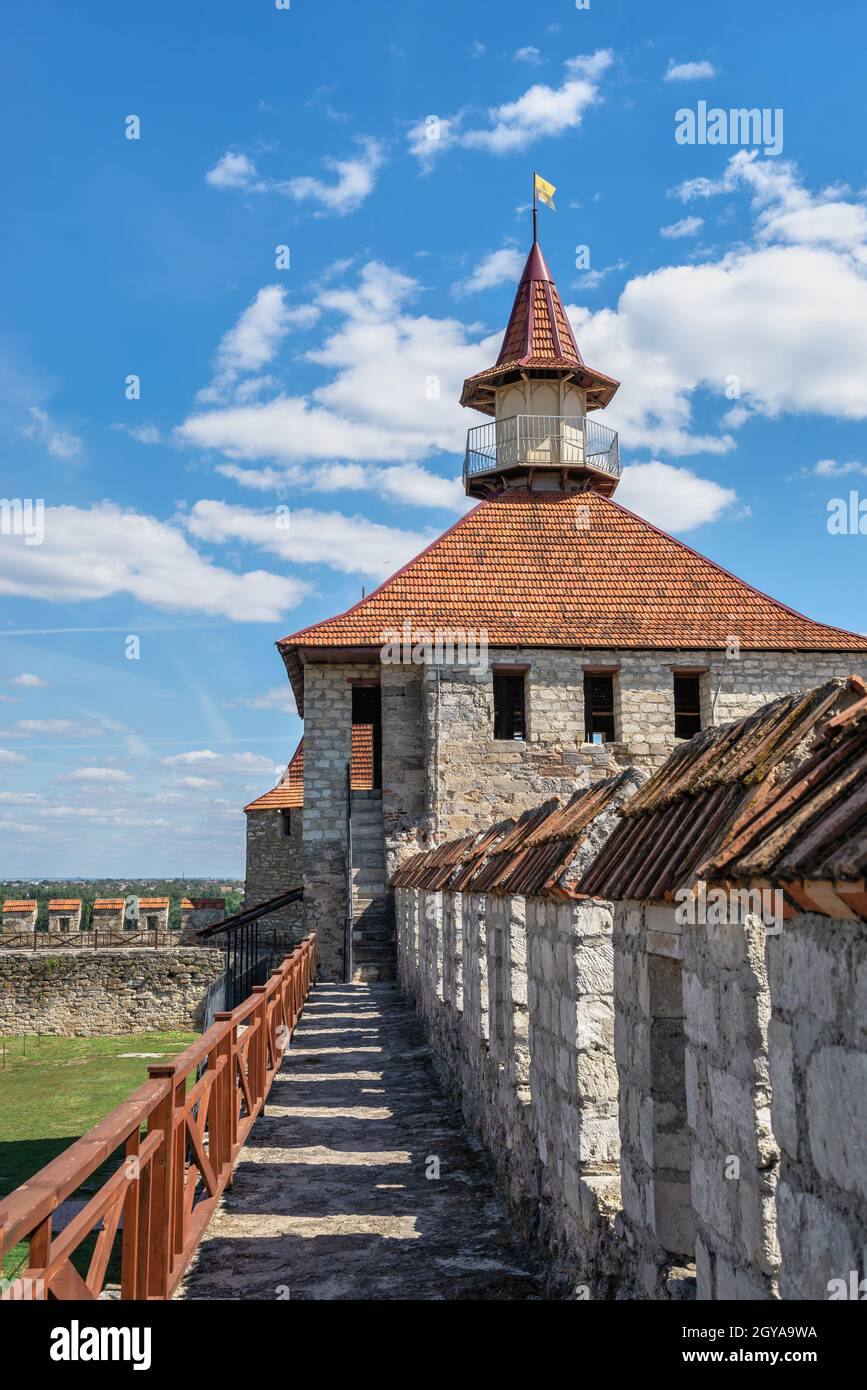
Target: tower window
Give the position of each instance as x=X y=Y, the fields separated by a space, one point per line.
x=509 y=712
x=64 y=923
x=151 y=923
x=687 y=706
x=599 y=709
x=286 y=822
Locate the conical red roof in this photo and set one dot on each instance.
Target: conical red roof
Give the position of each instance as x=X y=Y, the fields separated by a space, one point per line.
x=539 y=337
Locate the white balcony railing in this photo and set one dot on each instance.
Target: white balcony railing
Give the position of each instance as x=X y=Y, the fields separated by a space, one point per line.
x=542 y=441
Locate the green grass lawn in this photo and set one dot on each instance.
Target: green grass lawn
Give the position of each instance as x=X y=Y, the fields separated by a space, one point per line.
x=54 y=1089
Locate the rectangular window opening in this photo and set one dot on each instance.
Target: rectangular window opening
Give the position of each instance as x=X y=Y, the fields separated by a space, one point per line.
x=509 y=705
x=687 y=706
x=599 y=709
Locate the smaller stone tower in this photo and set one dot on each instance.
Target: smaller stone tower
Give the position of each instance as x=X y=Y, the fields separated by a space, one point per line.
x=540 y=392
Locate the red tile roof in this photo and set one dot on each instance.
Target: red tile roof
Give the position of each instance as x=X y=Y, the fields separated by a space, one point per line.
x=108 y=904
x=570 y=570
x=289 y=791
x=153 y=902
x=538 y=336
x=19 y=905
x=64 y=904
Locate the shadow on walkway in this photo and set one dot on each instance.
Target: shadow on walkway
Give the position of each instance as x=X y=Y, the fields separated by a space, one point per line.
x=332 y=1198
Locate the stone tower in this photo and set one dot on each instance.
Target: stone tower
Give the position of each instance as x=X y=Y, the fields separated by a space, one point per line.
x=539 y=393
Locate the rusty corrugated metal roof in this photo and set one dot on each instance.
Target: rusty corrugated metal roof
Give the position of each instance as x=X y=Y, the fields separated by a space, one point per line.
x=531 y=855
x=809 y=836
x=683 y=817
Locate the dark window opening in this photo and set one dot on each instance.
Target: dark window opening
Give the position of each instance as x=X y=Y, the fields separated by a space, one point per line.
x=151 y=923
x=687 y=706
x=64 y=924
x=509 y=716
x=599 y=709
x=286 y=822
x=367 y=710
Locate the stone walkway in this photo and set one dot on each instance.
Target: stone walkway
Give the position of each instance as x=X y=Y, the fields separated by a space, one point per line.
x=331 y=1198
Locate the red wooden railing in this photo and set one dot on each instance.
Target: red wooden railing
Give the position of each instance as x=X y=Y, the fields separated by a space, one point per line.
x=176 y=1140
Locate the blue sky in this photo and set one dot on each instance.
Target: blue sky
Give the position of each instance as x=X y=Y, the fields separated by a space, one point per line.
x=726 y=289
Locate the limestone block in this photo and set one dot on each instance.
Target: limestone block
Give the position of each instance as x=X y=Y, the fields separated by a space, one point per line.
x=837 y=1116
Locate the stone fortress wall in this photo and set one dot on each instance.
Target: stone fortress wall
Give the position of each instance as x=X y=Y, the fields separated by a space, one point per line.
x=89 y=993
x=673 y=1112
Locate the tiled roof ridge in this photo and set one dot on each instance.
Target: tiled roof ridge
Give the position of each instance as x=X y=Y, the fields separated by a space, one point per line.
x=730 y=574
x=520 y=496
x=392 y=578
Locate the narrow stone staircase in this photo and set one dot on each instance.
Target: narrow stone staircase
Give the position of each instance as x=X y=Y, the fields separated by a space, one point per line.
x=373 y=942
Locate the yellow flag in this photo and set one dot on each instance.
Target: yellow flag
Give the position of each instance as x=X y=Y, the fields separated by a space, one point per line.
x=545 y=192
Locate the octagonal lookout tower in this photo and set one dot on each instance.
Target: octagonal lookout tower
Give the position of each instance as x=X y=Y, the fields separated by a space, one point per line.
x=539 y=393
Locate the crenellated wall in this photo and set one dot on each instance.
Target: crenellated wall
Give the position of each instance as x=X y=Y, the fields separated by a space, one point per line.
x=654 y=1126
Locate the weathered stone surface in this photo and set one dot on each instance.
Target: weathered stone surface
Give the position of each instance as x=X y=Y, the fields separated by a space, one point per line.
x=360 y=1181
x=88 y=993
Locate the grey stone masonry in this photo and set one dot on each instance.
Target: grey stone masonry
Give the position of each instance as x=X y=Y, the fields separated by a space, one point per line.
x=734 y=1154
x=443 y=772
x=88 y=993
x=516 y=997
x=817 y=971
x=275 y=863
x=327 y=753
x=649 y=1043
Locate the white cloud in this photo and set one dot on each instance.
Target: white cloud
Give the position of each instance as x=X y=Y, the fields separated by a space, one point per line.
x=497 y=268
x=830 y=468
x=786 y=211
x=28 y=680
x=687 y=226
x=41 y=430
x=8 y=757
x=196 y=783
x=541 y=111
x=688 y=72
x=25 y=728
x=233 y=171
x=350 y=544
x=279 y=697
x=98 y=774
x=393 y=393
x=143 y=434
x=529 y=55
x=254 y=341
x=806 y=305
x=219 y=763
x=90 y=553
x=354 y=179
x=672 y=498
